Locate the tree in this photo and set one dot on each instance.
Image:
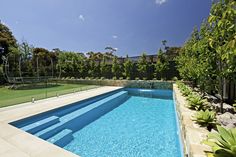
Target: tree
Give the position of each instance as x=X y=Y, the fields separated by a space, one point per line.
x=95 y=64
x=111 y=49
x=162 y=64
x=186 y=61
x=83 y=67
x=222 y=40
x=25 y=51
x=143 y=66
x=128 y=68
x=7 y=41
x=72 y=64
x=209 y=56
x=164 y=43
x=116 y=69
x=105 y=68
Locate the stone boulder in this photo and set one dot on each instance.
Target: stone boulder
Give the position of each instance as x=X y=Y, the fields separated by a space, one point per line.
x=226 y=107
x=212 y=98
x=227 y=120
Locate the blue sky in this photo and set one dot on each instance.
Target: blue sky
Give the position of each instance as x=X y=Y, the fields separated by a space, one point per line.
x=132 y=26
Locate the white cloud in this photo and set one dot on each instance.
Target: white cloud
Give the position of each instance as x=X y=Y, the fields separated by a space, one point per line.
x=160 y=2
x=81 y=17
x=114 y=36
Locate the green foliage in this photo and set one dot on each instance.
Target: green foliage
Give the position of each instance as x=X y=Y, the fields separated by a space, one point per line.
x=1 y=74
x=72 y=64
x=186 y=61
x=94 y=61
x=205 y=118
x=209 y=56
x=77 y=65
x=128 y=78
x=105 y=68
x=195 y=102
x=174 y=79
x=222 y=40
x=128 y=68
x=121 y=78
x=7 y=40
x=185 y=90
x=116 y=68
x=143 y=66
x=162 y=64
x=222 y=143
x=25 y=49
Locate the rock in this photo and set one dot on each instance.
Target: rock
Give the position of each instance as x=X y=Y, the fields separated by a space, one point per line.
x=227 y=119
x=196 y=89
x=226 y=107
x=212 y=99
x=230 y=126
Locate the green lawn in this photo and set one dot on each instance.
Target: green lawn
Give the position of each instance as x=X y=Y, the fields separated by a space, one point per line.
x=10 y=97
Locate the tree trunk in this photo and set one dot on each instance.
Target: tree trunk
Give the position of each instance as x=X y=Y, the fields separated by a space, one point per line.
x=221 y=94
x=221 y=87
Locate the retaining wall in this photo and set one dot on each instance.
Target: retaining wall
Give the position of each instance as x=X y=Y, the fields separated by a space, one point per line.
x=192 y=133
x=149 y=84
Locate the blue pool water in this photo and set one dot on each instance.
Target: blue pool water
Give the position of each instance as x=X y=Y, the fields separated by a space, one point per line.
x=139 y=127
x=131 y=122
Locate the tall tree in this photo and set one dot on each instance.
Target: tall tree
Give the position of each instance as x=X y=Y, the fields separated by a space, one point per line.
x=7 y=41
x=161 y=64
x=72 y=64
x=164 y=44
x=222 y=40
x=111 y=49
x=26 y=51
x=105 y=68
x=209 y=56
x=94 y=64
x=128 y=68
x=187 y=59
x=116 y=68
x=143 y=66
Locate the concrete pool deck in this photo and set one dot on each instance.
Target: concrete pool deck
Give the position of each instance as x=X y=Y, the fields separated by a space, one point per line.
x=17 y=143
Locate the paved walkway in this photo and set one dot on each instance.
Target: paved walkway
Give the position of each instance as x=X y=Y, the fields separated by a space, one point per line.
x=17 y=143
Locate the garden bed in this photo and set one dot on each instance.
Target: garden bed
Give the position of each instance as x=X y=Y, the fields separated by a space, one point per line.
x=192 y=134
x=201 y=123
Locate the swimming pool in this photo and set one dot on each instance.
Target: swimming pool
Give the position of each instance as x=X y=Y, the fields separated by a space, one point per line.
x=127 y=122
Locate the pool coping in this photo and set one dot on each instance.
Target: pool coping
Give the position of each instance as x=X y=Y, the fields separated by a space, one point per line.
x=15 y=142
x=191 y=133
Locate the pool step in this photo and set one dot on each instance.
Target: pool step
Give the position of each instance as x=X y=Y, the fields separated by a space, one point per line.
x=40 y=125
x=62 y=138
x=80 y=118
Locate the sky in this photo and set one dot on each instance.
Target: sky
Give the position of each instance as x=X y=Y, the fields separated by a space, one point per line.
x=131 y=26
